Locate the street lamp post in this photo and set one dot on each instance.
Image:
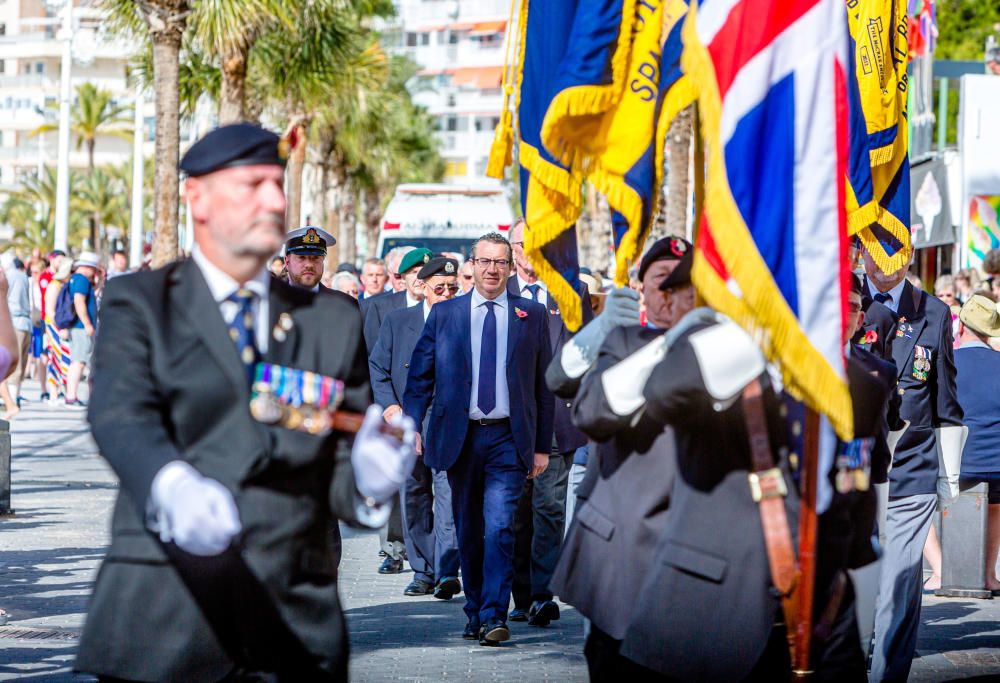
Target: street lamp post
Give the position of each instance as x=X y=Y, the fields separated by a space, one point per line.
x=65 y=93
x=135 y=240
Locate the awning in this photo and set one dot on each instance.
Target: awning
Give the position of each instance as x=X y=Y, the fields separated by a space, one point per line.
x=479 y=77
x=462 y=25
x=488 y=27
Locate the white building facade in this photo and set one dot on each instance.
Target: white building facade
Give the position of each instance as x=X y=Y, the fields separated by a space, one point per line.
x=459 y=45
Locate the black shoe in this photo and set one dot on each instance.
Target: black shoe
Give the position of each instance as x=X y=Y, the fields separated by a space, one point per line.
x=518 y=614
x=471 y=631
x=448 y=588
x=391 y=566
x=44 y=396
x=493 y=633
x=542 y=612
x=418 y=587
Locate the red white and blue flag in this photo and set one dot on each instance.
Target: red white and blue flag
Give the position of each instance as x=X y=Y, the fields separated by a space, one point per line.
x=772 y=242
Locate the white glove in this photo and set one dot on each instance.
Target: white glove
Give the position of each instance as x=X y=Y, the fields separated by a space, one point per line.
x=195 y=512
x=620 y=309
x=381 y=463
x=950 y=442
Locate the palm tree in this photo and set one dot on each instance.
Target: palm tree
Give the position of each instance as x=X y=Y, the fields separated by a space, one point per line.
x=329 y=63
x=31 y=211
x=226 y=30
x=94 y=114
x=162 y=22
x=104 y=198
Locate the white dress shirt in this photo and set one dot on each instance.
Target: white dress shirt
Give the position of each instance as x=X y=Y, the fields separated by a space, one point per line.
x=479 y=309
x=543 y=291
x=896 y=292
x=222 y=286
x=427 y=310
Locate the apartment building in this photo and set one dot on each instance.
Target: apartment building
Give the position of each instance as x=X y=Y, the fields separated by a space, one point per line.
x=459 y=45
x=30 y=63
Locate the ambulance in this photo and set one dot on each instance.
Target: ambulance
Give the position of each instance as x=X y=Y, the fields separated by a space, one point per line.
x=444 y=217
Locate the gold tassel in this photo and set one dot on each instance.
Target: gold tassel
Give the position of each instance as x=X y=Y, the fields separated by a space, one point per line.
x=502 y=149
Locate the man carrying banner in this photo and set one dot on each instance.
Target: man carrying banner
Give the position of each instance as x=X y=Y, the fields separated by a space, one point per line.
x=220 y=566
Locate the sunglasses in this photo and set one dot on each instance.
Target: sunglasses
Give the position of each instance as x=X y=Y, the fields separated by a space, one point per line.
x=440 y=289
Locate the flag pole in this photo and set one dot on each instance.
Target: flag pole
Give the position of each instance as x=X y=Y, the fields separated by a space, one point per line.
x=801 y=631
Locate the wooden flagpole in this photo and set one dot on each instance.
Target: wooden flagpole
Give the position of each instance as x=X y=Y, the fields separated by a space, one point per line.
x=800 y=633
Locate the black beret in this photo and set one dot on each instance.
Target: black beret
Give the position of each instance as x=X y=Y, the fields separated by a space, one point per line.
x=238 y=144
x=439 y=265
x=666 y=249
x=680 y=276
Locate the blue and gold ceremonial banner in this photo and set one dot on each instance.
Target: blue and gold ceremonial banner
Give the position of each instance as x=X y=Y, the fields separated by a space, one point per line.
x=878 y=187
x=595 y=102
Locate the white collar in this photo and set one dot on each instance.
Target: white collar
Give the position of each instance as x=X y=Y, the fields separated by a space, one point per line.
x=222 y=286
x=410 y=301
x=521 y=284
x=427 y=309
x=478 y=299
x=896 y=292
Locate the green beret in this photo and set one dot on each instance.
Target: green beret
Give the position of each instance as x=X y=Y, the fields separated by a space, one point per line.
x=417 y=257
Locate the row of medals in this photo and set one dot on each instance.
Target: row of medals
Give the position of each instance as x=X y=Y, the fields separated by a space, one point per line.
x=294 y=399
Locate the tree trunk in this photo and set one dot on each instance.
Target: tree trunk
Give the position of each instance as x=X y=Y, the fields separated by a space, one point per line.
x=346 y=219
x=95 y=228
x=373 y=218
x=232 y=98
x=675 y=208
x=293 y=175
x=166 y=51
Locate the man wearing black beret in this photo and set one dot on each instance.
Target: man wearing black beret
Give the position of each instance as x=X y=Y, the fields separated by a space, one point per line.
x=220 y=563
x=428 y=520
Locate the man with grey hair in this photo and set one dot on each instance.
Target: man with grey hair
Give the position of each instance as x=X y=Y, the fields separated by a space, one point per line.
x=347 y=283
x=392 y=261
x=374 y=276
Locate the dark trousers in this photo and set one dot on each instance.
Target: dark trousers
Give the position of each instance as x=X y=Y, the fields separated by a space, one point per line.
x=486 y=481
x=606 y=665
x=429 y=525
x=539 y=527
x=391 y=535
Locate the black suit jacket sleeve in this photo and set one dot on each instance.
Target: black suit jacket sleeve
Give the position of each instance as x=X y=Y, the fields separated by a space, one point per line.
x=558 y=381
x=380 y=364
x=125 y=410
x=947 y=410
x=675 y=391
x=543 y=397
x=420 y=380
x=371 y=320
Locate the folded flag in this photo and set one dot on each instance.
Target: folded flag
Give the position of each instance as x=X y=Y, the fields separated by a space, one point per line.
x=878 y=189
x=772 y=242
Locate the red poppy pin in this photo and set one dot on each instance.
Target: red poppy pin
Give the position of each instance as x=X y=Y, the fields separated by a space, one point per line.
x=519 y=313
x=871 y=336
x=677 y=247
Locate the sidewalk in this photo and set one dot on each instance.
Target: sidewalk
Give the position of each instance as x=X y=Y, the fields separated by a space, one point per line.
x=50 y=550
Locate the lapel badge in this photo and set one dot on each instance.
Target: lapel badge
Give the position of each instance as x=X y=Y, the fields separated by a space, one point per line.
x=520 y=313
x=283 y=327
x=553 y=311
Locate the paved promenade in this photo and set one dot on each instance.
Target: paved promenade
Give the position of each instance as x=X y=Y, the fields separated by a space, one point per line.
x=49 y=552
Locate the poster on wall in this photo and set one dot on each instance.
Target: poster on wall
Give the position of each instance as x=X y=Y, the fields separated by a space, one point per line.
x=984 y=231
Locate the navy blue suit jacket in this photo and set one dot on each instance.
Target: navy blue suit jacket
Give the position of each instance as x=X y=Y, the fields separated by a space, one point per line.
x=568 y=437
x=979 y=394
x=389 y=361
x=440 y=380
x=922 y=321
x=374 y=311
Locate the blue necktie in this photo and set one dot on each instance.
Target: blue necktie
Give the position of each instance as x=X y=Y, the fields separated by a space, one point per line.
x=882 y=297
x=241 y=330
x=534 y=291
x=488 y=362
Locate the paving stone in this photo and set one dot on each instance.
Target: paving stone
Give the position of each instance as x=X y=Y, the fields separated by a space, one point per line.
x=50 y=550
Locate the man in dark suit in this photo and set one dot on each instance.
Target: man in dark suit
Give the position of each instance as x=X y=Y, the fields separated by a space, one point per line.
x=374 y=310
x=392 y=537
x=711 y=581
x=540 y=521
x=479 y=367
x=924 y=357
x=202 y=481
x=428 y=520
